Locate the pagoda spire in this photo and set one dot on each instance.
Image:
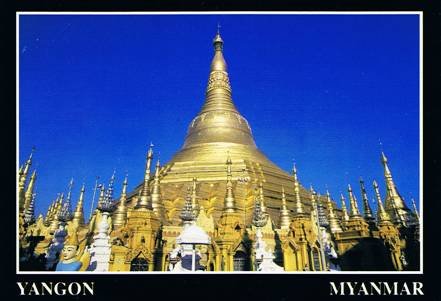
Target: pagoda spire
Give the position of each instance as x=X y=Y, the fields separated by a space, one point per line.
x=355 y=213
x=187 y=213
x=260 y=217
x=102 y=197
x=194 y=200
x=22 y=176
x=298 y=209
x=156 y=190
x=29 y=211
x=229 y=201
x=334 y=224
x=314 y=210
x=109 y=192
x=415 y=210
x=30 y=190
x=144 y=201
x=262 y=198
x=218 y=92
x=69 y=195
x=368 y=216
x=78 y=216
x=285 y=219
x=27 y=166
x=343 y=208
x=382 y=215
x=120 y=214
x=393 y=199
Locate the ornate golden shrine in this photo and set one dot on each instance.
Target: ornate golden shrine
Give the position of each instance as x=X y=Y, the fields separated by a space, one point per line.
x=221 y=170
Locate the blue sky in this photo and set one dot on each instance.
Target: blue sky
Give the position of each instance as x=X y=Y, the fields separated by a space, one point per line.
x=319 y=89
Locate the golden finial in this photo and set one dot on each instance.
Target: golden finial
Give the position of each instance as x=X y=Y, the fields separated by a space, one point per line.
x=156 y=190
x=285 y=219
x=78 y=216
x=30 y=190
x=382 y=215
x=194 y=200
x=144 y=201
x=353 y=203
x=120 y=215
x=415 y=210
x=217 y=41
x=334 y=224
x=229 y=201
x=299 y=206
x=343 y=208
x=28 y=163
x=366 y=207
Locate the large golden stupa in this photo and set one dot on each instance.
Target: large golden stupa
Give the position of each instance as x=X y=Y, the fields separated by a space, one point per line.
x=218 y=130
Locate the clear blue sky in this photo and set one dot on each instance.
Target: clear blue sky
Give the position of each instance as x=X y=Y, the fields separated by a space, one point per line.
x=95 y=90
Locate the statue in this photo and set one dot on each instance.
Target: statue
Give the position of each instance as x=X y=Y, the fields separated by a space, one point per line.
x=74 y=257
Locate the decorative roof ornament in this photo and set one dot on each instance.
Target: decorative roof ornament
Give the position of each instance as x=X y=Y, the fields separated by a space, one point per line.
x=334 y=224
x=259 y=217
x=120 y=213
x=354 y=213
x=343 y=208
x=298 y=210
x=366 y=207
x=285 y=219
x=262 y=198
x=109 y=191
x=156 y=190
x=78 y=215
x=229 y=201
x=415 y=210
x=187 y=213
x=382 y=215
x=194 y=200
x=321 y=213
x=103 y=204
x=30 y=190
x=29 y=217
x=144 y=201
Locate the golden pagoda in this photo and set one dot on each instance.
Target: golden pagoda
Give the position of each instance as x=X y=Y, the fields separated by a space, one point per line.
x=215 y=182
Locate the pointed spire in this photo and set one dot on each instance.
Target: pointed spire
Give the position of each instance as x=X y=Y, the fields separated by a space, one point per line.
x=369 y=217
x=109 y=192
x=120 y=214
x=29 y=212
x=187 y=213
x=30 y=190
x=343 y=209
x=229 y=201
x=69 y=195
x=144 y=201
x=260 y=217
x=156 y=190
x=298 y=209
x=394 y=203
x=194 y=200
x=78 y=216
x=262 y=198
x=48 y=212
x=314 y=211
x=285 y=219
x=415 y=210
x=28 y=165
x=102 y=197
x=218 y=92
x=355 y=213
x=334 y=224
x=382 y=215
